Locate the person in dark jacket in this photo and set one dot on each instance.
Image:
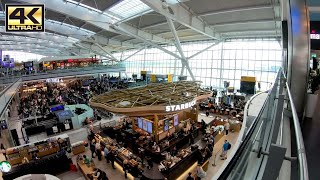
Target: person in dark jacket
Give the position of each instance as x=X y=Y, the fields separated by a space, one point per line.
x=112 y=158
x=125 y=167
x=190 y=177
x=149 y=162
x=92 y=148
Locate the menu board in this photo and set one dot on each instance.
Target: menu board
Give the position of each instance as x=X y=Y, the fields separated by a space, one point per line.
x=140 y=123
x=144 y=125
x=149 y=124
x=175 y=120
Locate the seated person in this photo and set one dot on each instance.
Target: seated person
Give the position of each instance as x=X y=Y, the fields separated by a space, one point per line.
x=25 y=160
x=154 y=146
x=35 y=156
x=167 y=143
x=86 y=160
x=157 y=149
x=87 y=121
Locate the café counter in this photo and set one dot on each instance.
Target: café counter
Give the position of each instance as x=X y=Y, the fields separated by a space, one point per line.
x=175 y=169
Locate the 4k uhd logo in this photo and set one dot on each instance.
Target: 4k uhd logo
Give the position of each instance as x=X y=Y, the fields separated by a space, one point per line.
x=24 y=18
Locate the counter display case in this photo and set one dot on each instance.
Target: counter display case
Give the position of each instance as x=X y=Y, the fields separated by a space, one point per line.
x=42 y=148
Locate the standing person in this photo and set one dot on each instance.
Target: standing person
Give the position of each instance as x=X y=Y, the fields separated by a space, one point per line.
x=92 y=148
x=106 y=154
x=112 y=158
x=191 y=138
x=200 y=172
x=149 y=162
x=227 y=127
x=3 y=151
x=125 y=168
x=98 y=151
x=61 y=143
x=226 y=146
x=212 y=140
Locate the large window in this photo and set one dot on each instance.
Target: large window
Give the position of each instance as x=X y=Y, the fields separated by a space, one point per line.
x=226 y=61
x=20 y=56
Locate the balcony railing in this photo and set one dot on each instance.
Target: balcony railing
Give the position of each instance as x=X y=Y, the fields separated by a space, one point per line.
x=63 y=73
x=261 y=153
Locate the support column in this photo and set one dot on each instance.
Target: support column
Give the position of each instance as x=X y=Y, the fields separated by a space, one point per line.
x=184 y=61
x=298 y=52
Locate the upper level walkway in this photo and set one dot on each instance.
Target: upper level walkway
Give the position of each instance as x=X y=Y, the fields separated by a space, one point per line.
x=65 y=73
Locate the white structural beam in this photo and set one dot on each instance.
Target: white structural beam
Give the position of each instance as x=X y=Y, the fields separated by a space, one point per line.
x=261 y=21
x=224 y=11
x=106 y=51
x=119 y=28
x=182 y=16
x=184 y=61
x=97 y=19
x=82 y=35
x=139 y=50
x=91 y=48
x=199 y=52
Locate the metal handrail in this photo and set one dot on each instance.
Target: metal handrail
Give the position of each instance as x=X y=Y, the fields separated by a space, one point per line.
x=302 y=159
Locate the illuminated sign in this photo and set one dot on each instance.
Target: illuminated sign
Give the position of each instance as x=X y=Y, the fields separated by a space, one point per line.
x=5 y=166
x=180 y=106
x=314 y=36
x=53 y=80
x=25 y=18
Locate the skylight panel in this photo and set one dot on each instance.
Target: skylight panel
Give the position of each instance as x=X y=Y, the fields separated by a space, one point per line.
x=127 y=8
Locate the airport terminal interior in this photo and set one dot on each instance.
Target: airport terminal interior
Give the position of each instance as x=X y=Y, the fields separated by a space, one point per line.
x=159 y=89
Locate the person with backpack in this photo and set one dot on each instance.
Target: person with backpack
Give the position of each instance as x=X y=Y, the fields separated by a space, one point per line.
x=226 y=146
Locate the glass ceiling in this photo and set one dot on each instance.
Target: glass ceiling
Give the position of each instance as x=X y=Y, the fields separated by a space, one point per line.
x=127 y=8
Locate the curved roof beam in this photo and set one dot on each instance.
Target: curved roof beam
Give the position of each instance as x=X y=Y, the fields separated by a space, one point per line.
x=92 y=17
x=183 y=16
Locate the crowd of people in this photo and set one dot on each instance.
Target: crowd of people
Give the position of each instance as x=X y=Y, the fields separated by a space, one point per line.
x=38 y=102
x=79 y=91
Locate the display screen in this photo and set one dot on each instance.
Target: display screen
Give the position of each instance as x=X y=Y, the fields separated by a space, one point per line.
x=57 y=108
x=175 y=120
x=144 y=125
x=5 y=64
x=166 y=125
x=149 y=124
x=28 y=64
x=140 y=123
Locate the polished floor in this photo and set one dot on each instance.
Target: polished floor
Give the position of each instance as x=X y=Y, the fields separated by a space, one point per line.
x=118 y=173
x=311 y=134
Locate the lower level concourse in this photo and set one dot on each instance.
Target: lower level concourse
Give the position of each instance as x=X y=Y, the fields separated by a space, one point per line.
x=142 y=142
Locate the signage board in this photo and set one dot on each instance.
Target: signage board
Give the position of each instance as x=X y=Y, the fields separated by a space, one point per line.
x=25 y=17
x=180 y=106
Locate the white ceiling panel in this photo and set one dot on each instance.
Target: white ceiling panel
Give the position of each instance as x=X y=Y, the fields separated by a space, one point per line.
x=240 y=16
x=203 y=6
